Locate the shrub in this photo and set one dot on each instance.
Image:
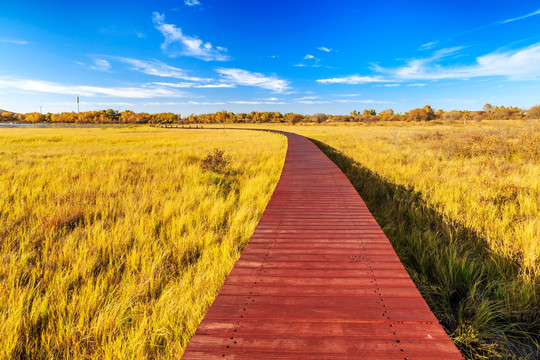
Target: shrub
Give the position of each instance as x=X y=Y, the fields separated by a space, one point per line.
x=215 y=161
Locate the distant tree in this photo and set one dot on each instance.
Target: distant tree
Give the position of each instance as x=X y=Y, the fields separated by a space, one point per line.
x=319 y=118
x=112 y=115
x=452 y=116
x=534 y=112
x=424 y=114
x=387 y=115
x=295 y=118
x=370 y=112
x=488 y=108
x=506 y=112
x=34 y=117
x=6 y=116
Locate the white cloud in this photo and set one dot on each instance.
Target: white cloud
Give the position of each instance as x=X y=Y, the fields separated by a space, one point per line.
x=347 y=95
x=416 y=85
x=195 y=85
x=141 y=92
x=190 y=46
x=519 y=64
x=111 y=105
x=537 y=12
x=353 y=79
x=299 y=65
x=309 y=56
x=429 y=45
x=204 y=103
x=244 y=102
x=192 y=2
x=14 y=41
x=149 y=67
x=325 y=49
x=101 y=65
x=307 y=98
x=182 y=85
x=220 y=85
x=159 y=103
x=313 y=102
x=247 y=78
x=388 y=85
x=355 y=101
x=157 y=68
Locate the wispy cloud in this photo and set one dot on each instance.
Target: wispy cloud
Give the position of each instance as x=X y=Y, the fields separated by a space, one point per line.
x=313 y=102
x=537 y=12
x=90 y=103
x=350 y=100
x=346 y=95
x=325 y=49
x=354 y=79
x=429 y=45
x=360 y=101
x=517 y=64
x=312 y=61
x=14 y=41
x=307 y=98
x=204 y=103
x=248 y=78
x=157 y=68
x=416 y=85
x=245 y=102
x=142 y=92
x=100 y=65
x=192 y=2
x=189 y=45
x=195 y=85
x=388 y=85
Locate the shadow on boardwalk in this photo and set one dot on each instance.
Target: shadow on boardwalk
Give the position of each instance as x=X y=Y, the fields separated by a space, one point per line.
x=477 y=296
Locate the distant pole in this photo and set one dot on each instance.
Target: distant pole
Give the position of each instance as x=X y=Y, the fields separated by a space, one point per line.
x=77 y=105
x=40 y=110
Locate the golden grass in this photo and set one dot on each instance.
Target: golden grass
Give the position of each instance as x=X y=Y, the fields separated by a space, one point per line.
x=114 y=241
x=461 y=205
x=484 y=175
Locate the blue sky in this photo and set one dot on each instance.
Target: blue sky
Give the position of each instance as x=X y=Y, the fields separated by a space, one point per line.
x=197 y=56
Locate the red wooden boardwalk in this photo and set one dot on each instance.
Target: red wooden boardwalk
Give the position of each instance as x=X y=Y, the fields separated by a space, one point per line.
x=318 y=280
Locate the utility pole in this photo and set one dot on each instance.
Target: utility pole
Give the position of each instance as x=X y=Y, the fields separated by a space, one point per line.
x=41 y=110
x=77 y=105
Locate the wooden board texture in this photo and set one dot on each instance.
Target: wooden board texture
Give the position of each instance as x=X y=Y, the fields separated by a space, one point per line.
x=318 y=280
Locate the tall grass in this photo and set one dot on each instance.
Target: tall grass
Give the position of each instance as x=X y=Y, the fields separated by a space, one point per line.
x=113 y=242
x=461 y=205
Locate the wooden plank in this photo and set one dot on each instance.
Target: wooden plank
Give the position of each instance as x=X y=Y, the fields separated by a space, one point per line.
x=318 y=279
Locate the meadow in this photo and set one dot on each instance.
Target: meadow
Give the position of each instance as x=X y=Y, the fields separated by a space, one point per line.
x=114 y=241
x=461 y=205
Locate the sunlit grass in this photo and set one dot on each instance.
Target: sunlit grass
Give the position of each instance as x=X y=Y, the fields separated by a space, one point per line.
x=461 y=205
x=115 y=241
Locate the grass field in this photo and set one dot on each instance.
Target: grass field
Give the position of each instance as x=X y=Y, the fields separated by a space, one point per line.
x=115 y=241
x=461 y=205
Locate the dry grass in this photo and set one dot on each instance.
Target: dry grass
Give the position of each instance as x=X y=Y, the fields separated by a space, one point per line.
x=461 y=205
x=115 y=241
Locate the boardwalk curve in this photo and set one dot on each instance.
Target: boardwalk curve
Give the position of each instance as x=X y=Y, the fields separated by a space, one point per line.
x=318 y=280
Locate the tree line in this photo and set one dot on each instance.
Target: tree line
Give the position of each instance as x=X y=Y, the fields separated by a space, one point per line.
x=110 y=116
